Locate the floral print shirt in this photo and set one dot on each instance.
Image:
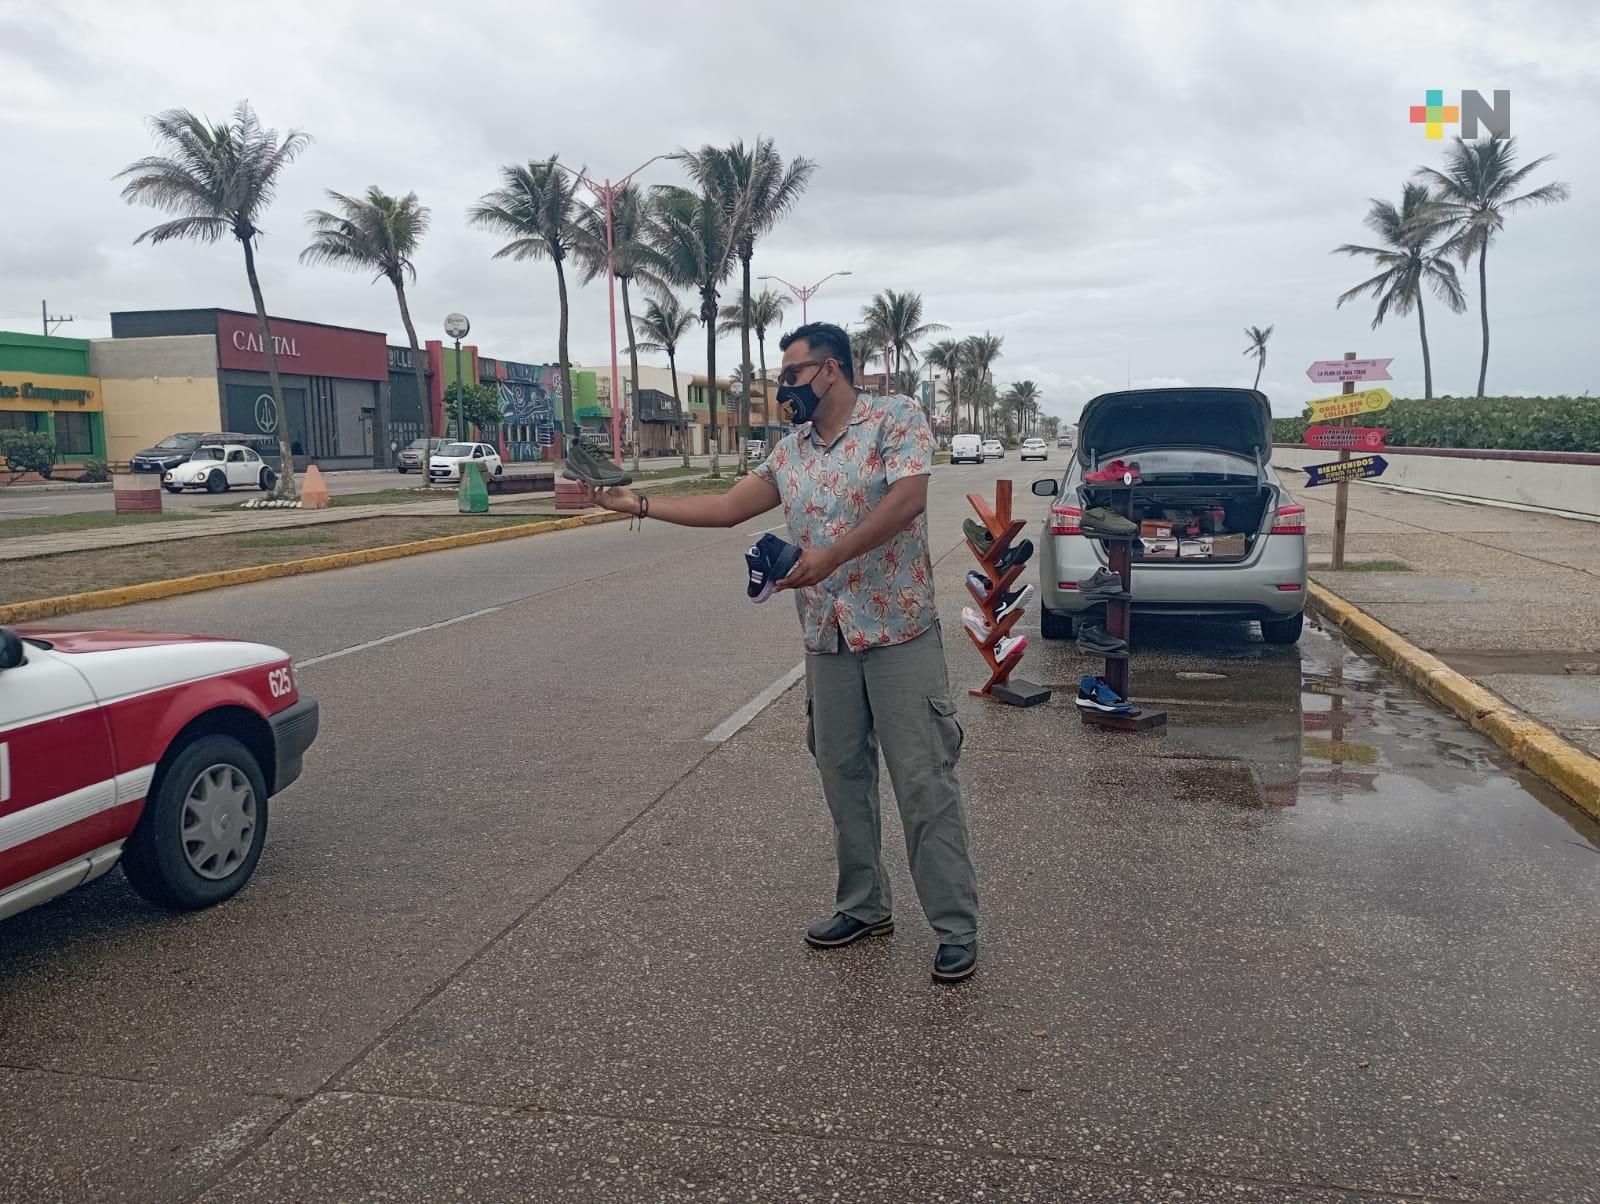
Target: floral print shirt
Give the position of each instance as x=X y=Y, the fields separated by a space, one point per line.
x=886 y=595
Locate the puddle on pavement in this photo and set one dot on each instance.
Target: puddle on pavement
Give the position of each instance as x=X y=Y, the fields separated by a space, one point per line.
x=1321 y=724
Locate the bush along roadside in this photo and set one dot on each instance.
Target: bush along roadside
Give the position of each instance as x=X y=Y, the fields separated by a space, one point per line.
x=1512 y=423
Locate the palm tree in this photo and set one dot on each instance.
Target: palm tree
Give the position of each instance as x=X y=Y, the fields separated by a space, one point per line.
x=756 y=189
x=693 y=235
x=1258 y=348
x=536 y=208
x=980 y=352
x=895 y=320
x=376 y=233
x=766 y=311
x=664 y=325
x=1472 y=196
x=1407 y=263
x=945 y=355
x=631 y=259
x=1021 y=401
x=864 y=348
x=219 y=179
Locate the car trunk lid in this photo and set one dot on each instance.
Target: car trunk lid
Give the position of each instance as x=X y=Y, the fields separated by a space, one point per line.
x=1234 y=420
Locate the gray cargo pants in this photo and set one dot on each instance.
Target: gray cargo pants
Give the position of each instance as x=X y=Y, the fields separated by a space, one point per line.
x=896 y=698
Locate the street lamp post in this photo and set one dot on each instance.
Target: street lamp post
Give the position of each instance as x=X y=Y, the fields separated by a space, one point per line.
x=606 y=193
x=804 y=292
x=457 y=327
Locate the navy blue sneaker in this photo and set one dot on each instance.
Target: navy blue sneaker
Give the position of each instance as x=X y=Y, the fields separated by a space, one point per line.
x=770 y=561
x=979 y=582
x=1017 y=553
x=1095 y=695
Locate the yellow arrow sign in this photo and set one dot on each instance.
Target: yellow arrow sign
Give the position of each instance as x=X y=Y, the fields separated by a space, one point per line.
x=1342 y=405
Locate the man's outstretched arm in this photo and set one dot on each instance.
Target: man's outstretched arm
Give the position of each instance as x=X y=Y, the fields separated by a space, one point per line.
x=753 y=495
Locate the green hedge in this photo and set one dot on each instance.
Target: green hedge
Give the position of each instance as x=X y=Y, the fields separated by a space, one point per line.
x=1518 y=423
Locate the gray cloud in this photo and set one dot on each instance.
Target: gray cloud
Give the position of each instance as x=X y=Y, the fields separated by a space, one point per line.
x=1117 y=190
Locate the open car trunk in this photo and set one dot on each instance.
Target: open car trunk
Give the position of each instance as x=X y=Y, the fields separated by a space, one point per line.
x=1199 y=524
x=1204 y=497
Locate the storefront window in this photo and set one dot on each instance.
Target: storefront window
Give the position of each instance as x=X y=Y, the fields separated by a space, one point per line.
x=74 y=436
x=21 y=420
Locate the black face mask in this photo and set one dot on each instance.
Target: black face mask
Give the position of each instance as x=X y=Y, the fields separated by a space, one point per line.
x=802 y=400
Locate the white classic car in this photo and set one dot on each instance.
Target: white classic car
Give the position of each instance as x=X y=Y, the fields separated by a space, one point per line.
x=156 y=750
x=218 y=467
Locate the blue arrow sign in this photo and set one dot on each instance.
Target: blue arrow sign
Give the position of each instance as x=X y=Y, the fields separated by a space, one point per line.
x=1357 y=468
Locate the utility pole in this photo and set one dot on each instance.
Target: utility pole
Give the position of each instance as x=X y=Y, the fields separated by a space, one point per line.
x=46 y=317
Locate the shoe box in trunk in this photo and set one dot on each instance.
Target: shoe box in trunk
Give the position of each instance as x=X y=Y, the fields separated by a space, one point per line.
x=1219 y=510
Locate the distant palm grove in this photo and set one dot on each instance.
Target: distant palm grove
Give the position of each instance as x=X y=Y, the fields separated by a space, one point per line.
x=674 y=251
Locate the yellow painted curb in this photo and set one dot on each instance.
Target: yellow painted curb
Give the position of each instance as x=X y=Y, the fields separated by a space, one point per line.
x=1566 y=767
x=150 y=591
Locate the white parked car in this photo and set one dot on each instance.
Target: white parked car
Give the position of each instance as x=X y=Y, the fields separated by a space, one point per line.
x=993 y=447
x=218 y=467
x=445 y=464
x=1034 y=449
x=966 y=447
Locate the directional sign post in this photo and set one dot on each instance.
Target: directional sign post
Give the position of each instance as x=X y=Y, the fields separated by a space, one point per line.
x=1358 y=469
x=1340 y=408
x=1356 y=438
x=1330 y=371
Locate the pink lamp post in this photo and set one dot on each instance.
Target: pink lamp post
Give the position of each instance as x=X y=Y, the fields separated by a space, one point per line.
x=805 y=293
x=606 y=193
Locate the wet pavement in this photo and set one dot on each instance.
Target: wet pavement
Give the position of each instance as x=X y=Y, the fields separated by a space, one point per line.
x=1505 y=596
x=1317 y=941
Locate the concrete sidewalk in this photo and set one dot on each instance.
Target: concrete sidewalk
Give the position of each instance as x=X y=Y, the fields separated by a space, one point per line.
x=237 y=522
x=1507 y=597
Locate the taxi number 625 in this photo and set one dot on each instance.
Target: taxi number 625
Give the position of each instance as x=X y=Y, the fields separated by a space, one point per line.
x=280 y=682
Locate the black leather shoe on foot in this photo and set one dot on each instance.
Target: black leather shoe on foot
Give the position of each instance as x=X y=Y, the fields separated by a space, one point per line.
x=954 y=962
x=843 y=929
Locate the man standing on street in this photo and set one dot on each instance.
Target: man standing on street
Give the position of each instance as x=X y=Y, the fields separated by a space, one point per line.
x=853 y=482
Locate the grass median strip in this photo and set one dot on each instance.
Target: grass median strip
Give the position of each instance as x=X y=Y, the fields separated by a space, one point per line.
x=138 y=564
x=59 y=524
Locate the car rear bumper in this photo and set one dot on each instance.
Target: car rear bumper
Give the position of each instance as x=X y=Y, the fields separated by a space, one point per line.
x=293 y=731
x=1257 y=588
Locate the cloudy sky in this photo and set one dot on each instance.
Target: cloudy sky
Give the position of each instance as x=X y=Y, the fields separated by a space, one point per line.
x=1117 y=189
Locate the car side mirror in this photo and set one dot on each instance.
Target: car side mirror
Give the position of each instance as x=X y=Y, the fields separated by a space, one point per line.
x=1045 y=487
x=12 y=651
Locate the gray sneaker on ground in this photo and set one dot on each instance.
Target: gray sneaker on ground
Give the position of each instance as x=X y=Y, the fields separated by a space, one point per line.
x=1096 y=639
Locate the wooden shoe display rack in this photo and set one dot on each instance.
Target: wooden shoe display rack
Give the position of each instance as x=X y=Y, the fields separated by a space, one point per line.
x=1120 y=553
x=1001 y=686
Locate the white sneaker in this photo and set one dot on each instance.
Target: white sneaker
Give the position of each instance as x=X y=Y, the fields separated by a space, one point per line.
x=975 y=622
x=1012 y=643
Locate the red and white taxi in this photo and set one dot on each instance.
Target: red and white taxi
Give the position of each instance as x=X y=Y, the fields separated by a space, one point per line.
x=158 y=750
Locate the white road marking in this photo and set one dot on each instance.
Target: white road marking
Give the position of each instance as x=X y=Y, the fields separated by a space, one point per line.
x=730 y=726
x=399 y=635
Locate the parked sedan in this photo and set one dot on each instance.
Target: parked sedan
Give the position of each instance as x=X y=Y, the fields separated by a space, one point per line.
x=416 y=453
x=446 y=463
x=1033 y=449
x=1236 y=547
x=156 y=750
x=219 y=467
x=993 y=447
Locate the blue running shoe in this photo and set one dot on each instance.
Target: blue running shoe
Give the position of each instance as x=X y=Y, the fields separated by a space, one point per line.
x=979 y=582
x=770 y=561
x=1095 y=695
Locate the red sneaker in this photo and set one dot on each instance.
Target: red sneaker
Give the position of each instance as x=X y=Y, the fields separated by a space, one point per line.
x=1118 y=472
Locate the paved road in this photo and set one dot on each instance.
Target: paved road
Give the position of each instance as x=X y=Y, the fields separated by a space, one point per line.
x=523 y=932
x=29 y=503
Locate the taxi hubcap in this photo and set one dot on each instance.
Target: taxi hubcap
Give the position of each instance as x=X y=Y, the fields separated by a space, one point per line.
x=219 y=821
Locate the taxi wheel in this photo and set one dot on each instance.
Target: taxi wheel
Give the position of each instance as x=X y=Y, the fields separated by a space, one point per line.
x=203 y=826
x=268 y=480
x=216 y=482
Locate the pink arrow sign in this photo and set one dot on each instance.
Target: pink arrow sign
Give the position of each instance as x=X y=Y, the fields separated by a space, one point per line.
x=1342 y=370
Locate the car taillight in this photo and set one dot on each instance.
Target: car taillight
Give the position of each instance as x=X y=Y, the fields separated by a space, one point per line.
x=1066 y=520
x=1290 y=520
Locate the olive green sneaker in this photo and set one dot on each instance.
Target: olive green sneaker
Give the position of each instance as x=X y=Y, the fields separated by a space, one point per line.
x=585 y=464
